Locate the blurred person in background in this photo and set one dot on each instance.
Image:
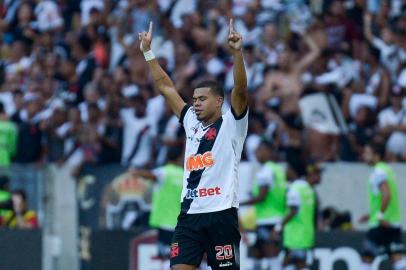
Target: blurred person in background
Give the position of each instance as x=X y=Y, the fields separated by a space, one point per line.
x=299 y=225
x=166 y=197
x=285 y=82
x=8 y=138
x=371 y=86
x=6 y=204
x=361 y=130
x=87 y=147
x=385 y=42
x=384 y=219
x=255 y=71
x=392 y=126
x=82 y=52
x=333 y=219
x=341 y=31
x=55 y=143
x=270 y=46
x=170 y=134
x=21 y=217
x=30 y=148
x=269 y=199
x=138 y=135
x=112 y=137
x=91 y=97
x=282 y=89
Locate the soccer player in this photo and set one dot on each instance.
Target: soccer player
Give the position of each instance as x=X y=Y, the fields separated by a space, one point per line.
x=165 y=198
x=299 y=224
x=384 y=235
x=208 y=222
x=270 y=206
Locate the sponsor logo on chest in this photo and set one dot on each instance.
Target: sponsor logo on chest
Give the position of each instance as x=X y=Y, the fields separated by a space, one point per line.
x=202 y=192
x=199 y=161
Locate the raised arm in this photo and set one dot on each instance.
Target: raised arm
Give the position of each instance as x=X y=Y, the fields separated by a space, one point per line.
x=161 y=79
x=367 y=27
x=309 y=57
x=239 y=95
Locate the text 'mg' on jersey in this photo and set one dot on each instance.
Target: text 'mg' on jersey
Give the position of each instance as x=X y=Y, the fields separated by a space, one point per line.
x=210 y=180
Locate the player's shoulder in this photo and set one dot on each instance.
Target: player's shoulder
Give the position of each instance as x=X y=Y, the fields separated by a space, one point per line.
x=231 y=117
x=187 y=115
x=378 y=173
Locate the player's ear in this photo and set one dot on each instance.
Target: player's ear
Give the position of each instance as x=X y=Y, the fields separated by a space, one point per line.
x=220 y=101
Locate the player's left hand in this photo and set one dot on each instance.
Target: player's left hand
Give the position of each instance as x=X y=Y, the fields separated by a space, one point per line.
x=234 y=38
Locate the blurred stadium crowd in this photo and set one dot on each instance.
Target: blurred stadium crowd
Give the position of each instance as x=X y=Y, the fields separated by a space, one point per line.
x=75 y=88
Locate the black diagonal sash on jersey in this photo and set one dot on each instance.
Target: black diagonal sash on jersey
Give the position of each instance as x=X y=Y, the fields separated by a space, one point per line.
x=195 y=176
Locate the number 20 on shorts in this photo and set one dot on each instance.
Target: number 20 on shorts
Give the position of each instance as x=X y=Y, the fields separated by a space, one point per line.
x=224 y=252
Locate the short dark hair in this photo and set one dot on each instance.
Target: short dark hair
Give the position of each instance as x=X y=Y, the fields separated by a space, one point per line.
x=174 y=153
x=267 y=143
x=377 y=148
x=85 y=42
x=214 y=86
x=375 y=53
x=20 y=192
x=2 y=109
x=4 y=181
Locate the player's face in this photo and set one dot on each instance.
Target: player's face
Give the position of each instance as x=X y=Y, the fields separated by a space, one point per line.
x=263 y=153
x=368 y=155
x=205 y=103
x=316 y=178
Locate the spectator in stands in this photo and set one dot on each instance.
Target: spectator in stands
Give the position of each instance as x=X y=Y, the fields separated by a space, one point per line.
x=53 y=134
x=53 y=52
x=361 y=130
x=8 y=138
x=170 y=135
x=270 y=46
x=255 y=70
x=86 y=63
x=139 y=133
x=21 y=217
x=390 y=54
x=340 y=30
x=112 y=137
x=30 y=148
x=392 y=126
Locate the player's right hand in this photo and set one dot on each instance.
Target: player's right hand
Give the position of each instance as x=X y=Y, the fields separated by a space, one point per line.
x=146 y=39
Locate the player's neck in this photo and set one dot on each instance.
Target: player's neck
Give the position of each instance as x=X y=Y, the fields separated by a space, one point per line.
x=211 y=120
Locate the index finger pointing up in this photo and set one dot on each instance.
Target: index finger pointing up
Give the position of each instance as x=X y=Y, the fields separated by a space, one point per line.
x=150 y=27
x=231 y=25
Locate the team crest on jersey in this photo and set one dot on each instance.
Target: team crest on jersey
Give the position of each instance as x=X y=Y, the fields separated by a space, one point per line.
x=174 y=250
x=211 y=134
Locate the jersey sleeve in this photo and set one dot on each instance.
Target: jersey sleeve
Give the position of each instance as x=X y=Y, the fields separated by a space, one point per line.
x=265 y=177
x=188 y=118
x=378 y=177
x=293 y=197
x=378 y=43
x=239 y=125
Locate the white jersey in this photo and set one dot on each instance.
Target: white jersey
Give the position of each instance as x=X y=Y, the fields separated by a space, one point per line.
x=210 y=180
